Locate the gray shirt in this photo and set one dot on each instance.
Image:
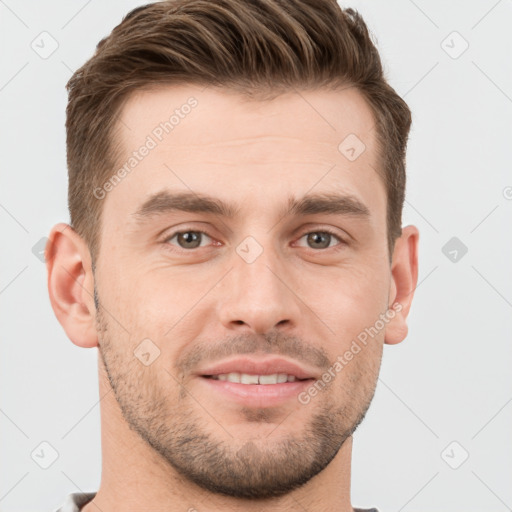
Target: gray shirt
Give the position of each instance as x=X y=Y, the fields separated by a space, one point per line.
x=75 y=501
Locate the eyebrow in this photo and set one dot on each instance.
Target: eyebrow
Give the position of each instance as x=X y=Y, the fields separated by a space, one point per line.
x=165 y=202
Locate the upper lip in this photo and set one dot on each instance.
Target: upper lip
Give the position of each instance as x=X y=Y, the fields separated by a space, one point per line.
x=251 y=366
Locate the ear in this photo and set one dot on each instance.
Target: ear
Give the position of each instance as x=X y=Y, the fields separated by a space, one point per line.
x=71 y=284
x=404 y=278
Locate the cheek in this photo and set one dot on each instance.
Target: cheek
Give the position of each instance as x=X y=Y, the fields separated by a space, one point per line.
x=147 y=302
x=347 y=300
x=164 y=298
x=162 y=307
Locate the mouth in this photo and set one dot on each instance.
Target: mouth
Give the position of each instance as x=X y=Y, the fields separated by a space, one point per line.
x=254 y=390
x=262 y=379
x=250 y=370
x=256 y=382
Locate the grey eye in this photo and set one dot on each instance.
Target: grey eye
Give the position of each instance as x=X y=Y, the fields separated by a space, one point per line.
x=189 y=239
x=321 y=239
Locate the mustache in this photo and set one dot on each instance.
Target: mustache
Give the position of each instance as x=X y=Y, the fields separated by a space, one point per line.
x=272 y=343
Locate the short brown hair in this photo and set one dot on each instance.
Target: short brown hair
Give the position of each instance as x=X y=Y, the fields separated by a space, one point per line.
x=255 y=47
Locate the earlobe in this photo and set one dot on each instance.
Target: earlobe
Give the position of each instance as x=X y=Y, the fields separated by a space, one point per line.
x=71 y=285
x=404 y=279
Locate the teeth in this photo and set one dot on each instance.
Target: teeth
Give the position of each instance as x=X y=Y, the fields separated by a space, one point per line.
x=246 y=378
x=233 y=377
x=268 y=379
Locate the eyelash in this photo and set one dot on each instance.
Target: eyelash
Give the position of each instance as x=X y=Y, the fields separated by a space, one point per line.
x=341 y=243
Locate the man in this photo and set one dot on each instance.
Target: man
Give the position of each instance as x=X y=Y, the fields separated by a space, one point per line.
x=236 y=183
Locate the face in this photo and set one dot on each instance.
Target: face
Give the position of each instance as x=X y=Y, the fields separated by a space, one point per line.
x=243 y=241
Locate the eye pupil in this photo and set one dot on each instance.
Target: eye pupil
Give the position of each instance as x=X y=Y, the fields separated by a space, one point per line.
x=189 y=239
x=324 y=239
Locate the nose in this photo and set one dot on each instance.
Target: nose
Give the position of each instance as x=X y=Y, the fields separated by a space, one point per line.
x=259 y=297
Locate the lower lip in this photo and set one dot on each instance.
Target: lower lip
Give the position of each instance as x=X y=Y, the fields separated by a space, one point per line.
x=258 y=395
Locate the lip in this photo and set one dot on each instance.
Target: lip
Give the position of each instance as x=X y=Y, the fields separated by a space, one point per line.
x=255 y=395
x=253 y=366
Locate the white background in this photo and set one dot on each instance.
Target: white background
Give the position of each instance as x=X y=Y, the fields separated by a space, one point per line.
x=449 y=381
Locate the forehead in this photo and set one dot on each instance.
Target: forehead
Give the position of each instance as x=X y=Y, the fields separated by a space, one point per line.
x=216 y=141
x=219 y=116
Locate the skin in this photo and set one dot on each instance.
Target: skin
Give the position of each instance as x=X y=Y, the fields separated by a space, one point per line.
x=167 y=438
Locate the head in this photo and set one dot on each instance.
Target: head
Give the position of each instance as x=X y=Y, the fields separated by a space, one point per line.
x=236 y=184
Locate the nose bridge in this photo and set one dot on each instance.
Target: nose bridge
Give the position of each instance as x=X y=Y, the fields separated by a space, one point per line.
x=257 y=294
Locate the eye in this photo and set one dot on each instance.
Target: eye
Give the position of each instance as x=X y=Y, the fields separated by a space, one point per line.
x=321 y=239
x=188 y=239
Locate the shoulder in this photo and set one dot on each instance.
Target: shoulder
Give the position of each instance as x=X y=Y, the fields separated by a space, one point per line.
x=75 y=501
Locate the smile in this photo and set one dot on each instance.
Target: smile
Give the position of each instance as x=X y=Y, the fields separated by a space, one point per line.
x=247 y=378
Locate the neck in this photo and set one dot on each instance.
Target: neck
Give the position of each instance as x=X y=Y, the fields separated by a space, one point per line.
x=134 y=475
